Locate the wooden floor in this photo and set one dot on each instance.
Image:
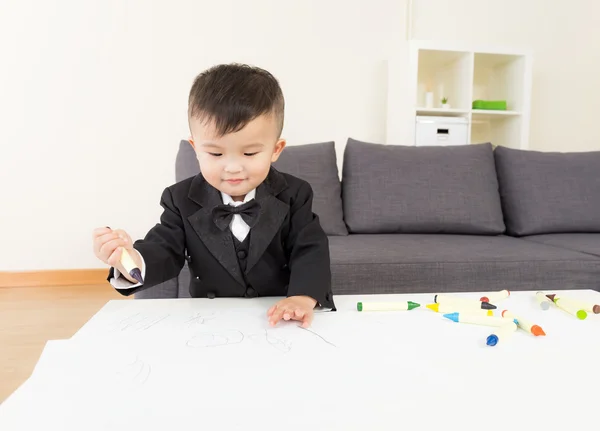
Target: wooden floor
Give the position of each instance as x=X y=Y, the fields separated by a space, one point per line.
x=30 y=316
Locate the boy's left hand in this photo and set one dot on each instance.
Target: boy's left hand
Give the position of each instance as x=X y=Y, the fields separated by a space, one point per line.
x=293 y=308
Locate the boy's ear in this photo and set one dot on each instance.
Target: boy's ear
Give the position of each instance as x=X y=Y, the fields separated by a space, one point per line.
x=191 y=141
x=279 y=146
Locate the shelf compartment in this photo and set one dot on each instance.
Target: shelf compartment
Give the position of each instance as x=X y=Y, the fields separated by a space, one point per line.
x=445 y=74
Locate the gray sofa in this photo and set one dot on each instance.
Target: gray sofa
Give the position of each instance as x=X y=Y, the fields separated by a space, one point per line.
x=440 y=219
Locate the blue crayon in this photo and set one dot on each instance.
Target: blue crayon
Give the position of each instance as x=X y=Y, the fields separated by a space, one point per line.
x=501 y=333
x=478 y=320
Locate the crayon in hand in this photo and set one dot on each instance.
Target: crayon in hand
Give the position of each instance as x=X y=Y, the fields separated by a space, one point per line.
x=130 y=266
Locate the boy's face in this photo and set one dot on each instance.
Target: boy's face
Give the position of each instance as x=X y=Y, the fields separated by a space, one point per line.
x=237 y=162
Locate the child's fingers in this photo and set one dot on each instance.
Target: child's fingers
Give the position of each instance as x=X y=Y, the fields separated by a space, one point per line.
x=289 y=313
x=109 y=247
x=114 y=258
x=307 y=319
x=277 y=315
x=100 y=231
x=125 y=237
x=271 y=310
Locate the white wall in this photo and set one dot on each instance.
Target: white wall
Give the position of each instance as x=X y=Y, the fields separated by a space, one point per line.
x=93 y=101
x=93 y=92
x=565 y=39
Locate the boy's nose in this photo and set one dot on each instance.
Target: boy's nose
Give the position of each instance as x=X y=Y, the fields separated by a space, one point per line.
x=233 y=168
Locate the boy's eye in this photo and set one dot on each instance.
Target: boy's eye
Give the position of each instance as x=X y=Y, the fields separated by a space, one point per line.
x=216 y=154
x=250 y=154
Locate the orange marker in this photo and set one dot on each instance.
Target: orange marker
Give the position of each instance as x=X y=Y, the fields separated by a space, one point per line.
x=524 y=324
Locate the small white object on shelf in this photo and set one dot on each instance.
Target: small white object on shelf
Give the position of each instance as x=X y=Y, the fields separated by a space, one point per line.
x=441 y=131
x=429 y=100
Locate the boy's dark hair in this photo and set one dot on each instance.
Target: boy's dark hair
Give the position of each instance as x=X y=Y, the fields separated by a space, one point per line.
x=232 y=95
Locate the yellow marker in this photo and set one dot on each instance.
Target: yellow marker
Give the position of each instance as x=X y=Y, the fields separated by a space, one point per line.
x=447 y=308
x=524 y=324
x=542 y=300
x=495 y=296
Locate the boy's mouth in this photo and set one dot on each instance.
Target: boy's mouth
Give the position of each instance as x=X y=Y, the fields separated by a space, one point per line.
x=234 y=181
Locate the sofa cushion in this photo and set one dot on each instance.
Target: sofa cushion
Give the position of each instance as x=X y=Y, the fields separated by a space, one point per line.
x=549 y=192
x=583 y=242
x=392 y=188
x=455 y=263
x=317 y=164
x=314 y=163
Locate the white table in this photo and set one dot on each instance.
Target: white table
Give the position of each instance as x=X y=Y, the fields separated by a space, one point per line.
x=215 y=364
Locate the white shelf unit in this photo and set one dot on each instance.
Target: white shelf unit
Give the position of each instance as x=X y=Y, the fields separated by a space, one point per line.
x=465 y=73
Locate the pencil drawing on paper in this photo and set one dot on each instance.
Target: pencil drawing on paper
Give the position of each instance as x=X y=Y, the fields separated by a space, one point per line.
x=216 y=339
x=199 y=319
x=321 y=337
x=273 y=340
x=138 y=370
x=139 y=322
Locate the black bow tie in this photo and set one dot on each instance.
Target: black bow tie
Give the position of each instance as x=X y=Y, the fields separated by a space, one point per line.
x=223 y=214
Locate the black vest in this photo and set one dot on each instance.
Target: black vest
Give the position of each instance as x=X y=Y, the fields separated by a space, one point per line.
x=241 y=251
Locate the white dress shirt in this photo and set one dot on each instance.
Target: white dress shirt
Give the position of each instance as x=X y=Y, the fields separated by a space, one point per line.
x=238 y=227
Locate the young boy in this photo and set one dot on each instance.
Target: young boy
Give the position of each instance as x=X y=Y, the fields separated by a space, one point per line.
x=245 y=229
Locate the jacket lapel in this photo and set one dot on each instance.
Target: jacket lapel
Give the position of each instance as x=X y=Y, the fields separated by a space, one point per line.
x=272 y=214
x=219 y=243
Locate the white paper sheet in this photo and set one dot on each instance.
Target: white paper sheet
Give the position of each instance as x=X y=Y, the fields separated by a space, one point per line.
x=191 y=365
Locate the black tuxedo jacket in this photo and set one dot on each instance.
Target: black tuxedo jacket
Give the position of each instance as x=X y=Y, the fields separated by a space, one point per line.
x=288 y=251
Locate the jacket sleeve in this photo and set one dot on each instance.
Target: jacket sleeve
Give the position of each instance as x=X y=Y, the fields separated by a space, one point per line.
x=308 y=248
x=162 y=249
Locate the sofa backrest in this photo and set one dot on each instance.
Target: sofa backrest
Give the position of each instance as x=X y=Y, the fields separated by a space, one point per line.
x=545 y=192
x=468 y=189
x=405 y=189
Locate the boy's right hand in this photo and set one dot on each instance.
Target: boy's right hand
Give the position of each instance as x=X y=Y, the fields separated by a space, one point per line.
x=108 y=247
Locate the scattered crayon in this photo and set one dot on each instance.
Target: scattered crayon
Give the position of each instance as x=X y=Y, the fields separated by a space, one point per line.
x=445 y=308
x=543 y=300
x=570 y=308
x=524 y=324
x=455 y=301
x=501 y=333
x=477 y=320
x=386 y=306
x=587 y=306
x=495 y=296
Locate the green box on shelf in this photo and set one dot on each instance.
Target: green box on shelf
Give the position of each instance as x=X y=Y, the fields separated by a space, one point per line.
x=492 y=105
